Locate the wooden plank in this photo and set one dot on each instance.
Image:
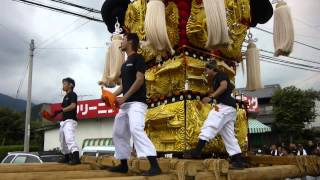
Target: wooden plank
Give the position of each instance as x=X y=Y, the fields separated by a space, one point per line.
x=32 y=167
x=272 y=160
x=88 y=159
x=269 y=173
x=144 y=165
x=57 y=175
x=209 y=175
x=108 y=161
x=159 y=177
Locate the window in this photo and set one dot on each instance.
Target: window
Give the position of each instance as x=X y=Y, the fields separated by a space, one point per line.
x=20 y=159
x=8 y=159
x=32 y=159
x=269 y=108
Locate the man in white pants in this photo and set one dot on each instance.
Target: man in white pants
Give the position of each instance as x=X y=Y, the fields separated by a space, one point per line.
x=222 y=119
x=130 y=120
x=68 y=124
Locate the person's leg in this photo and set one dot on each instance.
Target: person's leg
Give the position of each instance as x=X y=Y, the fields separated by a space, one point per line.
x=230 y=141
x=121 y=140
x=228 y=135
x=209 y=130
x=64 y=148
x=69 y=131
x=143 y=144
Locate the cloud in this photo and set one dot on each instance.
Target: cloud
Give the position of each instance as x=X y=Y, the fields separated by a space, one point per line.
x=51 y=65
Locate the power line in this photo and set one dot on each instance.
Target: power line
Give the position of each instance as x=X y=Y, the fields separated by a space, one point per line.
x=298 y=42
x=22 y=80
x=77 y=6
x=77 y=27
x=56 y=34
x=58 y=10
x=288 y=62
x=273 y=62
x=297 y=58
x=292 y=57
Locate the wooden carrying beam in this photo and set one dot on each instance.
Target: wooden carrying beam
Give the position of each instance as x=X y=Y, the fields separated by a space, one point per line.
x=259 y=173
x=273 y=160
x=57 y=175
x=9 y=168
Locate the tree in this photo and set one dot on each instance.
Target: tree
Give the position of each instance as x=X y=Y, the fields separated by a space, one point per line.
x=293 y=108
x=12 y=127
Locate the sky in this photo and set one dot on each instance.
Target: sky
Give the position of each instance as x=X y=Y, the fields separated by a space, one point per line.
x=61 y=42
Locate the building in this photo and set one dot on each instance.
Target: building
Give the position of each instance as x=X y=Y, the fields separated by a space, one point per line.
x=95 y=122
x=87 y=129
x=264 y=95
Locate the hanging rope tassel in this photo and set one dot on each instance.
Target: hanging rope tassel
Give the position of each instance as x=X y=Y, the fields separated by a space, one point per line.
x=114 y=60
x=155 y=26
x=283 y=36
x=253 y=67
x=216 y=23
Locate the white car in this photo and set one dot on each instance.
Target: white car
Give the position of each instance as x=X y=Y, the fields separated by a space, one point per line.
x=98 y=150
x=20 y=158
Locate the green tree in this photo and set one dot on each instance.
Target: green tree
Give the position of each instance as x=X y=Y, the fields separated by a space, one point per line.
x=12 y=127
x=293 y=108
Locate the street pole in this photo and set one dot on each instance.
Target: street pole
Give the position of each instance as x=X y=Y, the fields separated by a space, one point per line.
x=28 y=109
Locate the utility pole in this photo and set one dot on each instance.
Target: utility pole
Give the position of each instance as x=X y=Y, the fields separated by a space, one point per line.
x=28 y=109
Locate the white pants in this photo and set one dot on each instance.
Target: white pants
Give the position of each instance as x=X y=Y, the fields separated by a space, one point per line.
x=129 y=122
x=221 y=122
x=67 y=136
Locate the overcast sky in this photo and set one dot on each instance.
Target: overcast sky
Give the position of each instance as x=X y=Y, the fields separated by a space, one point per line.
x=19 y=23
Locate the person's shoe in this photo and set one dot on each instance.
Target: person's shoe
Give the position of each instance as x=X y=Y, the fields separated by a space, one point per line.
x=237 y=162
x=75 y=158
x=195 y=153
x=122 y=168
x=152 y=172
x=154 y=167
x=65 y=159
x=192 y=154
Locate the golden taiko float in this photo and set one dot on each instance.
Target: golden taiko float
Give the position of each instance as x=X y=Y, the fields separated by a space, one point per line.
x=177 y=39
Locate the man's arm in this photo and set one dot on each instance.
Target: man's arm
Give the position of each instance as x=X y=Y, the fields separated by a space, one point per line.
x=71 y=107
x=118 y=91
x=221 y=89
x=135 y=86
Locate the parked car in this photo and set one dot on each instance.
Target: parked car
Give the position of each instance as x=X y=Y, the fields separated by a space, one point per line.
x=35 y=157
x=98 y=150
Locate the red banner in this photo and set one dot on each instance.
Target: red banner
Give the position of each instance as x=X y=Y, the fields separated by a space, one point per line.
x=89 y=109
x=252 y=103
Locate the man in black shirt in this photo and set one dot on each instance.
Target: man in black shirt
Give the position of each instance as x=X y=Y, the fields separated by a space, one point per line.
x=130 y=120
x=220 y=120
x=68 y=124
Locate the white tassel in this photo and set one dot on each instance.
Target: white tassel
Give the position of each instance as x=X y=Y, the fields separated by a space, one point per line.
x=253 y=67
x=155 y=26
x=283 y=36
x=216 y=23
x=114 y=60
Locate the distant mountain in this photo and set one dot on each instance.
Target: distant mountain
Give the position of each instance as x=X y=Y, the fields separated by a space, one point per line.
x=18 y=105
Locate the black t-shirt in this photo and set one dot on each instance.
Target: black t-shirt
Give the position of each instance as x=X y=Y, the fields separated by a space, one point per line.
x=67 y=100
x=135 y=63
x=225 y=98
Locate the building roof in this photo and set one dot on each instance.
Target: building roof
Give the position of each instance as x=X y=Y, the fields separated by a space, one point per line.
x=266 y=92
x=256 y=126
